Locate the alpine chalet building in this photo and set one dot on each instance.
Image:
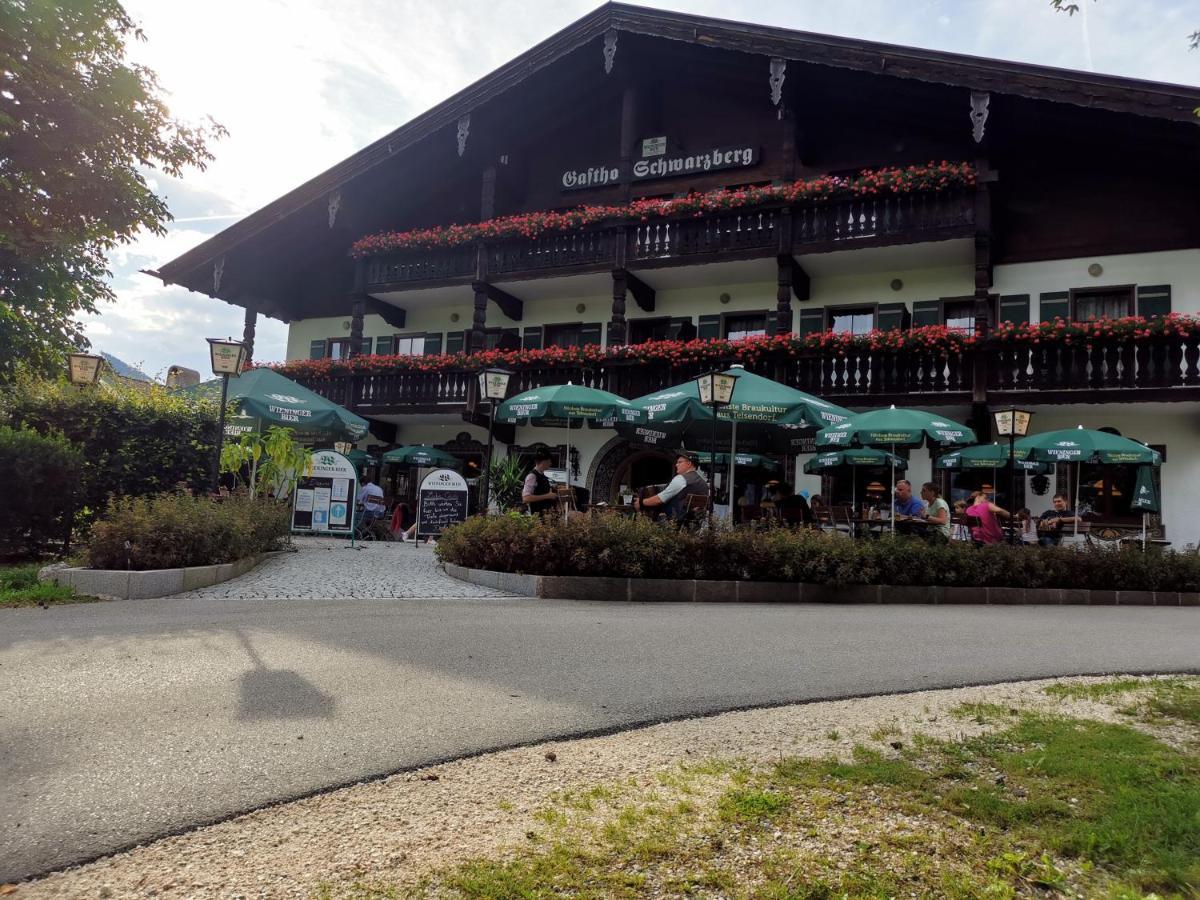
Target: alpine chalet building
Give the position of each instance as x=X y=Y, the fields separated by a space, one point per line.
x=647 y=195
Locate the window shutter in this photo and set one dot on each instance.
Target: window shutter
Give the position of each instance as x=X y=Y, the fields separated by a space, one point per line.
x=365 y=347
x=772 y=319
x=812 y=321
x=532 y=339
x=926 y=312
x=433 y=344
x=1153 y=300
x=1053 y=305
x=316 y=350
x=892 y=315
x=680 y=325
x=454 y=341
x=383 y=345
x=710 y=328
x=589 y=333
x=1014 y=308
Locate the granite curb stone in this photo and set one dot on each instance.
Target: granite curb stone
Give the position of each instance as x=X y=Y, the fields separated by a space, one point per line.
x=667 y=590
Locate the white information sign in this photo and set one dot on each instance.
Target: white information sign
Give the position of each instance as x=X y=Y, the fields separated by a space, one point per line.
x=324 y=498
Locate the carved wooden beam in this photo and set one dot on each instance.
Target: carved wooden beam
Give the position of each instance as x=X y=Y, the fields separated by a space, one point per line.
x=797 y=279
x=509 y=305
x=248 y=324
x=643 y=294
x=393 y=315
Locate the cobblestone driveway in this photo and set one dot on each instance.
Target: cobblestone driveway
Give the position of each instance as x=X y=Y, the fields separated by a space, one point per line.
x=327 y=568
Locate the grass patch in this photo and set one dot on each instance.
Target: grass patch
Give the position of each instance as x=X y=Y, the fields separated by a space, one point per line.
x=19 y=586
x=1042 y=805
x=1101 y=690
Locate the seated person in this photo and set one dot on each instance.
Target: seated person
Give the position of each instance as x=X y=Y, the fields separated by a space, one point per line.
x=937 y=513
x=793 y=509
x=370 y=496
x=538 y=494
x=908 y=508
x=988 y=531
x=686 y=483
x=1050 y=523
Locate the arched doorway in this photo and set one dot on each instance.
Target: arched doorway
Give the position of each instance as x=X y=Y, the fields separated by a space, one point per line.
x=620 y=465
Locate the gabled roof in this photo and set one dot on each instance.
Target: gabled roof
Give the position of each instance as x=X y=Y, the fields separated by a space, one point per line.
x=1108 y=92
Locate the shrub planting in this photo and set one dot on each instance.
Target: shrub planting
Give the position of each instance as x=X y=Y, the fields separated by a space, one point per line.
x=133 y=442
x=639 y=548
x=41 y=489
x=175 y=530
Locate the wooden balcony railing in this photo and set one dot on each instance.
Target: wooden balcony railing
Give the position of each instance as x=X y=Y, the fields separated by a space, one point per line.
x=1113 y=370
x=711 y=236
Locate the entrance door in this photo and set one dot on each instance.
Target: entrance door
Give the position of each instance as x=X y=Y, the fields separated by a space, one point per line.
x=642 y=470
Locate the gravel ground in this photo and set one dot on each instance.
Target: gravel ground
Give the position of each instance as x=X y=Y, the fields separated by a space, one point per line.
x=411 y=823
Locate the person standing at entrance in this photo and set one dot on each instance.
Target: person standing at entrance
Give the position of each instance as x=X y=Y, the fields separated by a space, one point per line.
x=537 y=494
x=686 y=483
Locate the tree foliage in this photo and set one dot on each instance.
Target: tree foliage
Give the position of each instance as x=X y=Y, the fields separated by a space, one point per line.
x=80 y=127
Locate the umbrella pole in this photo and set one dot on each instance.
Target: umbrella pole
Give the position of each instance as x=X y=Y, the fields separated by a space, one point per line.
x=567 y=467
x=1078 y=470
x=1144 y=514
x=893 y=488
x=732 y=464
x=854 y=495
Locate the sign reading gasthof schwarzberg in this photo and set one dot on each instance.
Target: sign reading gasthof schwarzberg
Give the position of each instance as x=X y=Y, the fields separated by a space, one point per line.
x=675 y=166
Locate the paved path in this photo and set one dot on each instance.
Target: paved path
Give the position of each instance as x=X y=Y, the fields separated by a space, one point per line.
x=328 y=567
x=123 y=721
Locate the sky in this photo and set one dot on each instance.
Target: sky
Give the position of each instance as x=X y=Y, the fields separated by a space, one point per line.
x=302 y=84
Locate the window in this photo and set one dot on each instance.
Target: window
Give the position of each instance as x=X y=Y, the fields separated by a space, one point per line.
x=563 y=335
x=744 y=326
x=855 y=320
x=1102 y=303
x=339 y=348
x=959 y=315
x=643 y=330
x=408 y=344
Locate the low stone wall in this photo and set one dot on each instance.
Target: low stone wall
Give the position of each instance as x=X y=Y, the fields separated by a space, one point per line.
x=149 y=583
x=560 y=587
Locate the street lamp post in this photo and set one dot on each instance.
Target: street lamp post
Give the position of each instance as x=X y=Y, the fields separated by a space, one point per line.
x=493 y=387
x=84 y=368
x=228 y=356
x=716 y=390
x=1012 y=423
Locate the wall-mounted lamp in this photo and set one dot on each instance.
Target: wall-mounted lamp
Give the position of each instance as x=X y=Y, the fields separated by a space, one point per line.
x=897 y=284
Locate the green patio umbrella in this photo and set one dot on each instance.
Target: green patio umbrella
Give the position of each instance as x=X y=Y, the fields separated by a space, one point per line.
x=1085 y=445
x=894 y=428
x=853 y=458
x=1145 y=497
x=360 y=459
x=566 y=406
x=262 y=397
x=991 y=456
x=743 y=460
x=760 y=406
x=421 y=455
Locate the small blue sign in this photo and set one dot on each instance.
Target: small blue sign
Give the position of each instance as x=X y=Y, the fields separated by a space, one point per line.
x=320 y=517
x=337 y=512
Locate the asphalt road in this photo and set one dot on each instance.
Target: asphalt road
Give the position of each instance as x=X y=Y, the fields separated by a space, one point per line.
x=120 y=722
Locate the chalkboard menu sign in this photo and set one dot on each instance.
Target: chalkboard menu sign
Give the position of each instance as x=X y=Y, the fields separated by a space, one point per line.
x=441 y=501
x=324 y=499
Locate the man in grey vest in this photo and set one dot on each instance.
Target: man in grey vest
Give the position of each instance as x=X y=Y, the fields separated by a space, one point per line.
x=686 y=483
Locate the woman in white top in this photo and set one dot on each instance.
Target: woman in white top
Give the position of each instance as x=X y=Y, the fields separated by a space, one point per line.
x=937 y=511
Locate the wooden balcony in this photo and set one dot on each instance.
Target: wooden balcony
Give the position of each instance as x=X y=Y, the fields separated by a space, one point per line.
x=762 y=232
x=1117 y=370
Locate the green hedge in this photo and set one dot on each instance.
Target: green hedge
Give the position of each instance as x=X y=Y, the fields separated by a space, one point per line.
x=174 y=530
x=638 y=548
x=39 y=488
x=134 y=442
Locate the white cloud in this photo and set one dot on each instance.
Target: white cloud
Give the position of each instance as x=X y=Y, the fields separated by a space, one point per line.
x=301 y=85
